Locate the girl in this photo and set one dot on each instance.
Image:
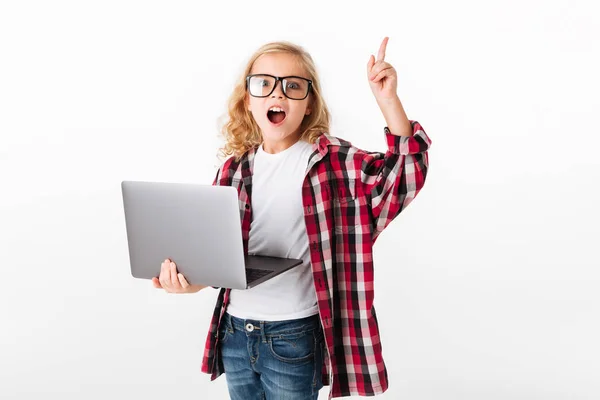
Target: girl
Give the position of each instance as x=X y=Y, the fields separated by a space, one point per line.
x=309 y=195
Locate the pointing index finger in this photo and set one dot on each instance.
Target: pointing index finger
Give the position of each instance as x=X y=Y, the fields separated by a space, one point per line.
x=381 y=54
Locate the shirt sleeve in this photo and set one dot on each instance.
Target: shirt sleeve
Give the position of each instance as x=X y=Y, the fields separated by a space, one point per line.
x=391 y=180
x=217 y=177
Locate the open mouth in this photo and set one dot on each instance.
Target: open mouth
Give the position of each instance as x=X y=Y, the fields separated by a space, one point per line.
x=276 y=117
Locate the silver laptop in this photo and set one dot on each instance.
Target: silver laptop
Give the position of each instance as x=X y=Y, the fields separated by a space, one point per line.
x=199 y=228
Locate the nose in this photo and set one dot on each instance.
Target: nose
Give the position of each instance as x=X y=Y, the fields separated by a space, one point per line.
x=278 y=90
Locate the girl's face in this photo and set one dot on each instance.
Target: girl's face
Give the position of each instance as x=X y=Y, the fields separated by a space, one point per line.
x=279 y=129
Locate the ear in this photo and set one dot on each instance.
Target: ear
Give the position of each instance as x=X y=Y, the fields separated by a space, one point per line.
x=247 y=102
x=309 y=105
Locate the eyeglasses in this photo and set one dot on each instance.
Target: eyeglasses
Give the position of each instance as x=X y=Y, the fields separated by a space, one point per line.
x=294 y=87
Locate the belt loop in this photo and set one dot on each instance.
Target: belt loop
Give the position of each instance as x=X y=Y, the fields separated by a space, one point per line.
x=262 y=332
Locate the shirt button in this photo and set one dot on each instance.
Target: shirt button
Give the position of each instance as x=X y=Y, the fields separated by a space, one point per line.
x=249 y=327
x=247 y=206
x=308 y=208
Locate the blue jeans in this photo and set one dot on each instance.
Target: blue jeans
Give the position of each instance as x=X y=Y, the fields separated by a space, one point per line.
x=279 y=360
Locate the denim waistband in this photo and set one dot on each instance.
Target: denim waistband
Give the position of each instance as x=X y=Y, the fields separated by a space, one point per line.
x=270 y=328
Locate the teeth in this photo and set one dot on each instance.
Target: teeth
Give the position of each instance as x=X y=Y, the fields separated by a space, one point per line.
x=276 y=109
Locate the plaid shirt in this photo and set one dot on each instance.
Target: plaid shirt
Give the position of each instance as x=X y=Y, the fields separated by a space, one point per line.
x=349 y=197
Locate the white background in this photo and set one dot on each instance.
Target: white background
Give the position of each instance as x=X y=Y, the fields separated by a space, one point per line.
x=487 y=285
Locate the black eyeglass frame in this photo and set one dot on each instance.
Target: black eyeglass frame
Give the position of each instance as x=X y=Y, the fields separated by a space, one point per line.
x=277 y=79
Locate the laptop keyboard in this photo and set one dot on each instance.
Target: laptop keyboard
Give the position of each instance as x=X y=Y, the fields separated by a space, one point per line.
x=253 y=274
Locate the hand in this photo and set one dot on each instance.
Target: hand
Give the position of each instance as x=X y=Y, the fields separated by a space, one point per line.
x=382 y=76
x=172 y=281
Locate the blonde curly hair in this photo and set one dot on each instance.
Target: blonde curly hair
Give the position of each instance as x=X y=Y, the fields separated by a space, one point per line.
x=241 y=132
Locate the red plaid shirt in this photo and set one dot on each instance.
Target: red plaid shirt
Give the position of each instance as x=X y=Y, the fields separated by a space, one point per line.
x=349 y=197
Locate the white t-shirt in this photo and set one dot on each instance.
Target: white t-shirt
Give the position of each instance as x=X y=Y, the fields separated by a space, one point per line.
x=278 y=229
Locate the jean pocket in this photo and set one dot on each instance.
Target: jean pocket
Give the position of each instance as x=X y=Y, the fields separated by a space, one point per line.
x=293 y=348
x=224 y=333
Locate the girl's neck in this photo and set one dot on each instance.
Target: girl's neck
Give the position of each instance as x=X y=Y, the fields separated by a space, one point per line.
x=274 y=147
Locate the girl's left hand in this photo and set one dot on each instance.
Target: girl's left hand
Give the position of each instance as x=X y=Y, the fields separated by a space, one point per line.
x=382 y=76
